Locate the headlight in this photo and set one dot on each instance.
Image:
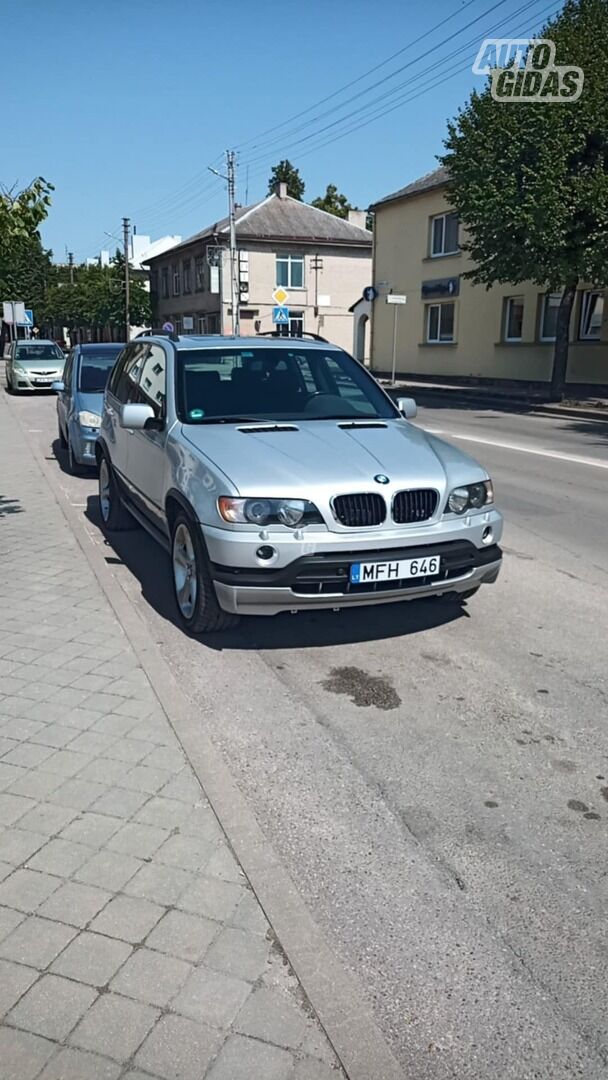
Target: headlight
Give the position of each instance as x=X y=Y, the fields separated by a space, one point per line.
x=290 y=512
x=471 y=497
x=19 y=370
x=89 y=419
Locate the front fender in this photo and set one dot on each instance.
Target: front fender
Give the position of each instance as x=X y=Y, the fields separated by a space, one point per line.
x=196 y=482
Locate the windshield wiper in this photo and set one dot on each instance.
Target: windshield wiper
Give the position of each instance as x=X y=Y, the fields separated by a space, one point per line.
x=233 y=420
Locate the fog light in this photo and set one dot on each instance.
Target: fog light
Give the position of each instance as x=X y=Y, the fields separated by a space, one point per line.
x=487 y=535
x=266 y=552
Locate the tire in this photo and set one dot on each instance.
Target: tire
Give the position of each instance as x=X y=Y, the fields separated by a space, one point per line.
x=9 y=385
x=114 y=514
x=193 y=586
x=74 y=466
x=63 y=442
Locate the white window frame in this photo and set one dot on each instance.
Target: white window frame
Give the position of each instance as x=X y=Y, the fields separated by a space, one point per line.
x=543 y=308
x=290 y=260
x=586 y=297
x=176 y=279
x=508 y=301
x=442 y=217
x=439 y=340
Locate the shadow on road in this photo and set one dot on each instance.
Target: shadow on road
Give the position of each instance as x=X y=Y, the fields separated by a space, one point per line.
x=60 y=455
x=9 y=506
x=150 y=565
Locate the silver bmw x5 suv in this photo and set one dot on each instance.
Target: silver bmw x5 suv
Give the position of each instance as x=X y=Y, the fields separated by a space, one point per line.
x=279 y=476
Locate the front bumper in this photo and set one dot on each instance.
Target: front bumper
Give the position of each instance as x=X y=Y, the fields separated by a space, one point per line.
x=322 y=580
x=83 y=444
x=28 y=380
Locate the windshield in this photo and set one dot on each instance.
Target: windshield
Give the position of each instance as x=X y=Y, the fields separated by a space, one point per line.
x=95 y=368
x=38 y=351
x=277 y=384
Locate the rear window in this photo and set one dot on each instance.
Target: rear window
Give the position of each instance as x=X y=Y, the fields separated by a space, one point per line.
x=38 y=351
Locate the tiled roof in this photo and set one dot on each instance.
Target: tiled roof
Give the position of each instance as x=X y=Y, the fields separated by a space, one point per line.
x=436 y=178
x=285 y=219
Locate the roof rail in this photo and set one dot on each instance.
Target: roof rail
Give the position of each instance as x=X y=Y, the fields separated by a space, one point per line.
x=304 y=334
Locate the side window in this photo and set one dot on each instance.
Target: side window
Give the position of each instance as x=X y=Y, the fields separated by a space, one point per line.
x=126 y=373
x=68 y=369
x=153 y=380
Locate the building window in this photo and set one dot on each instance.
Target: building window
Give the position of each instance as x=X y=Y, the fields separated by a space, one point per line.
x=548 y=316
x=187 y=275
x=290 y=271
x=592 y=311
x=176 y=280
x=440 y=323
x=295 y=328
x=444 y=234
x=199 y=272
x=514 y=317
x=164 y=278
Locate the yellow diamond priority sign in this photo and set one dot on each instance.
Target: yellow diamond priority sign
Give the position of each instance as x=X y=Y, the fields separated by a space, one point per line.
x=279 y=295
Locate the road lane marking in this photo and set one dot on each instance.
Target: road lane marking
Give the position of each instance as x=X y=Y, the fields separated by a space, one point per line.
x=574 y=458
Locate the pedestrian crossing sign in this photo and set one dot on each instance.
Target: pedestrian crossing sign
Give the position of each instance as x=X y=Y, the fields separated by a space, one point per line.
x=280 y=315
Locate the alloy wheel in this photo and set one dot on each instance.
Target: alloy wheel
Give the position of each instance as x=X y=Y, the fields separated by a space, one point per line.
x=104 y=490
x=184 y=571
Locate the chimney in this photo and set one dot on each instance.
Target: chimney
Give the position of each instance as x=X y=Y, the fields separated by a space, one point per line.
x=357 y=217
x=282 y=190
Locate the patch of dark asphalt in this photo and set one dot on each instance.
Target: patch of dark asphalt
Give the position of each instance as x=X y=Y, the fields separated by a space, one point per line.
x=364 y=690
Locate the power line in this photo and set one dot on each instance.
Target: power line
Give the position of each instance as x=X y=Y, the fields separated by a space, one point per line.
x=184 y=194
x=406 y=99
x=393 y=90
x=359 y=78
x=387 y=95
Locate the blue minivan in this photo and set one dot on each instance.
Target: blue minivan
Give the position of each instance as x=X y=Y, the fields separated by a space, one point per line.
x=80 y=399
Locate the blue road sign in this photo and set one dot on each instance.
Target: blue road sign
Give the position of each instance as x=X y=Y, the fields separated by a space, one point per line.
x=280 y=315
x=29 y=318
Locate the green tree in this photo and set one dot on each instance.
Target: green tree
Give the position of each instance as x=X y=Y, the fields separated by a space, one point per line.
x=25 y=265
x=95 y=302
x=286 y=173
x=530 y=181
x=333 y=202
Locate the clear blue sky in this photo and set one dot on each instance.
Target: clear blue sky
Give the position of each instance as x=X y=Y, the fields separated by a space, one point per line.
x=122 y=104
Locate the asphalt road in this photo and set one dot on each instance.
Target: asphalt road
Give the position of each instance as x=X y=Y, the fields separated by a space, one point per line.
x=436 y=778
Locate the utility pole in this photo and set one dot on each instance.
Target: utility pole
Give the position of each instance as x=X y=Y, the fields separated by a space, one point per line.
x=71 y=266
x=317 y=264
x=234 y=284
x=125 y=234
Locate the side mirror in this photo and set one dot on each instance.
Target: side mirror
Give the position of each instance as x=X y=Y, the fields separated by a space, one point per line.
x=58 y=387
x=407 y=407
x=136 y=416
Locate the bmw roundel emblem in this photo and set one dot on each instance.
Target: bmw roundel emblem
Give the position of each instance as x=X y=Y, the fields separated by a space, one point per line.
x=381 y=479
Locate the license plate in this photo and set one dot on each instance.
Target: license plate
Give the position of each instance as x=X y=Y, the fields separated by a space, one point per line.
x=42 y=382
x=398 y=570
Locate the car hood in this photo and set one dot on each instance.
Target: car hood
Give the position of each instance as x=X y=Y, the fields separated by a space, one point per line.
x=333 y=456
x=52 y=364
x=89 y=402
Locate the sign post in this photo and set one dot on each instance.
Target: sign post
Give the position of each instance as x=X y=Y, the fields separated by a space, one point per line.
x=396 y=299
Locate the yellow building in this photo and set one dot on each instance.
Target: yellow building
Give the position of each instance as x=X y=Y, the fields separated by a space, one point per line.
x=448 y=327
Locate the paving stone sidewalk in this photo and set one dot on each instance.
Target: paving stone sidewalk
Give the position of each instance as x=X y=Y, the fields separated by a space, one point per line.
x=131 y=945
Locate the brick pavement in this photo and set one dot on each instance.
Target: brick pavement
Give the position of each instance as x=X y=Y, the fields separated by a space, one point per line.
x=131 y=945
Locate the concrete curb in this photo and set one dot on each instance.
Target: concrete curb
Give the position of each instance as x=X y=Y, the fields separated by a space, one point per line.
x=334 y=993
x=428 y=395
